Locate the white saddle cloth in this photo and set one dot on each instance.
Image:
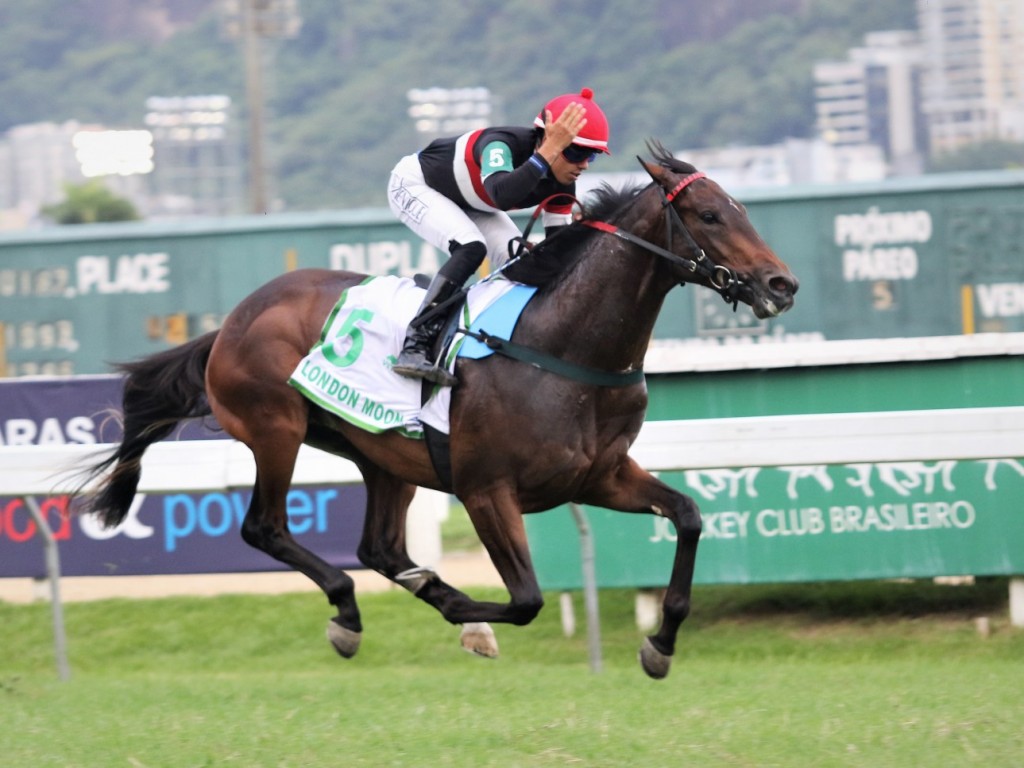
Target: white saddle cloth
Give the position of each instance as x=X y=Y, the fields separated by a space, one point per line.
x=348 y=371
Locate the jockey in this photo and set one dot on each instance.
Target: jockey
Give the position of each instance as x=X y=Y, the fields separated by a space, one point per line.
x=454 y=194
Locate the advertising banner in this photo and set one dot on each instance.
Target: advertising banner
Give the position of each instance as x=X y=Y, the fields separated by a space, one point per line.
x=163 y=533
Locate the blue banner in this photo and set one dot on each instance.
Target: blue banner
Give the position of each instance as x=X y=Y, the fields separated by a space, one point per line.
x=170 y=533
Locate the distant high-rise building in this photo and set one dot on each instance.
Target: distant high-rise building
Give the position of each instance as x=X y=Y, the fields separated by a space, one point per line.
x=974 y=58
x=873 y=98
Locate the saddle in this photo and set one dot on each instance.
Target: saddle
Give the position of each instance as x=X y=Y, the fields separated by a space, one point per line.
x=347 y=372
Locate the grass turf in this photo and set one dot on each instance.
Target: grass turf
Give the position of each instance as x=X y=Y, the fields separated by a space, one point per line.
x=853 y=674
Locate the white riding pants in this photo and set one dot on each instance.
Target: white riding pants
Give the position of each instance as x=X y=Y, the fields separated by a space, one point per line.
x=438 y=220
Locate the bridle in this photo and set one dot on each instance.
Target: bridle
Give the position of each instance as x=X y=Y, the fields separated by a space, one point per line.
x=720 y=278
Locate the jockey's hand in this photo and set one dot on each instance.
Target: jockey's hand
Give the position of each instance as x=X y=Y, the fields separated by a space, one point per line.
x=560 y=133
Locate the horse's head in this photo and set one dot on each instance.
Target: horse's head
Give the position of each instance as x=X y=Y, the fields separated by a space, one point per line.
x=718 y=224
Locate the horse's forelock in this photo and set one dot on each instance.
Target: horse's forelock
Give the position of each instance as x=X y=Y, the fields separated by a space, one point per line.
x=605 y=202
x=666 y=159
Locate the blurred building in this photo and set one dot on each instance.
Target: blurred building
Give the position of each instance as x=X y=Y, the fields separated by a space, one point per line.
x=36 y=161
x=874 y=98
x=974 y=60
x=793 y=161
x=186 y=162
x=957 y=80
x=197 y=156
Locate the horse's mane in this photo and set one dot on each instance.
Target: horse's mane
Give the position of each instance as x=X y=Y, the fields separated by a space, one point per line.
x=556 y=256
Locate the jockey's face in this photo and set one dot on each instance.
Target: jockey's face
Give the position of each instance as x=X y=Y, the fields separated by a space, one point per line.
x=566 y=172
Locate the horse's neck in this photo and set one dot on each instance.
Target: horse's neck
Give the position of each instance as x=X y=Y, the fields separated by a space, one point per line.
x=603 y=313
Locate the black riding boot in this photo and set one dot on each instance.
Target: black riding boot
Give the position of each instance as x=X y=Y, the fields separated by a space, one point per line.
x=414 y=361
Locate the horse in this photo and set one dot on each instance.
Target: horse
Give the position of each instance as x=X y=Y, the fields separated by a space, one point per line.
x=523 y=438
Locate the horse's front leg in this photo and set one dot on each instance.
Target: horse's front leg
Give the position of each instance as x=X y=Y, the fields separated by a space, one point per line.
x=633 y=489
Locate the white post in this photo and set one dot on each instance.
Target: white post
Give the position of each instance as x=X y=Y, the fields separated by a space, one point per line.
x=1017 y=601
x=647 y=609
x=568 y=614
x=587 y=559
x=423 y=527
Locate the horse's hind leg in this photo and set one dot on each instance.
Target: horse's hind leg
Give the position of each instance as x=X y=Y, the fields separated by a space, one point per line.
x=497 y=517
x=383 y=548
x=266 y=528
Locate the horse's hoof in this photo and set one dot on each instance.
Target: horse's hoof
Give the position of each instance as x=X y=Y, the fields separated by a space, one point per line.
x=655 y=663
x=479 y=639
x=345 y=641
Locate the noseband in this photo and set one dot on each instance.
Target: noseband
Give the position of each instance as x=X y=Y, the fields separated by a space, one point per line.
x=721 y=279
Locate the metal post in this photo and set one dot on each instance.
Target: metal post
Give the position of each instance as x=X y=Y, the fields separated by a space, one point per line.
x=60 y=646
x=254 y=21
x=254 y=102
x=589 y=587
x=568 y=614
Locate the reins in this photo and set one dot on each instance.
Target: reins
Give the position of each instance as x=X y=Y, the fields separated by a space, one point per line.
x=531 y=356
x=522 y=242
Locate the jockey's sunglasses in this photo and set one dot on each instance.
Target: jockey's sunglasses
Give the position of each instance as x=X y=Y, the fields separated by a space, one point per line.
x=574 y=153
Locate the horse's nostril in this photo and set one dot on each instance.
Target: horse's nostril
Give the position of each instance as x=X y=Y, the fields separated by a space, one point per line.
x=785 y=286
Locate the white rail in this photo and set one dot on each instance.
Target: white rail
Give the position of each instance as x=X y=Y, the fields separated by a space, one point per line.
x=887 y=436
x=880 y=436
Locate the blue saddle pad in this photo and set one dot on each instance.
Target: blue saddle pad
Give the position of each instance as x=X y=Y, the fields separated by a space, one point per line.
x=499 y=320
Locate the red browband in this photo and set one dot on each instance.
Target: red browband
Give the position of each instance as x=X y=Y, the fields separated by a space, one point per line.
x=687 y=181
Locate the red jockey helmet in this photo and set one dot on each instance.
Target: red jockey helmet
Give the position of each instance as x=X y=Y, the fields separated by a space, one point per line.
x=594 y=133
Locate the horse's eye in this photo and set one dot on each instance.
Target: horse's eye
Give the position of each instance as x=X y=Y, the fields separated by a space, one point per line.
x=709 y=217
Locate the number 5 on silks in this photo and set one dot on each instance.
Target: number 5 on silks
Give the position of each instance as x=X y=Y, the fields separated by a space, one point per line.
x=350 y=330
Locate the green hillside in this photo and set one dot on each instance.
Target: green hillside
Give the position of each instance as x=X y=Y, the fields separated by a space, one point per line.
x=688 y=72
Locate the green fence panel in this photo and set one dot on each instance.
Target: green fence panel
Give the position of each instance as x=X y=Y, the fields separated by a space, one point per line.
x=886 y=386
x=931 y=256
x=806 y=523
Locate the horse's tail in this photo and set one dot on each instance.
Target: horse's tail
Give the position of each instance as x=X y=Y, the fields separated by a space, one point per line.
x=159 y=392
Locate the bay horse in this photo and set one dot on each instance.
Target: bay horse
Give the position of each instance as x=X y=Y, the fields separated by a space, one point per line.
x=523 y=438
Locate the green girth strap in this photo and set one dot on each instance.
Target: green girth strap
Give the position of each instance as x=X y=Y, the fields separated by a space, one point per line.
x=547 y=362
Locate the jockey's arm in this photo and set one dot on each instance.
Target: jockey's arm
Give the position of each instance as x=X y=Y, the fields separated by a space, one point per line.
x=508 y=189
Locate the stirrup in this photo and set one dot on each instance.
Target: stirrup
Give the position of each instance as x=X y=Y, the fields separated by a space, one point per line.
x=423 y=369
x=414 y=363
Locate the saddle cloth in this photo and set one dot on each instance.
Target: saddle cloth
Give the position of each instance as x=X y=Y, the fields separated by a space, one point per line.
x=348 y=370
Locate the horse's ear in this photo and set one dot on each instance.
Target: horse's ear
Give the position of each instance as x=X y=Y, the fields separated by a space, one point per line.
x=657 y=171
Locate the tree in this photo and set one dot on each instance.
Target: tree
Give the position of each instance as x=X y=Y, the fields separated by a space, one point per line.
x=89 y=203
